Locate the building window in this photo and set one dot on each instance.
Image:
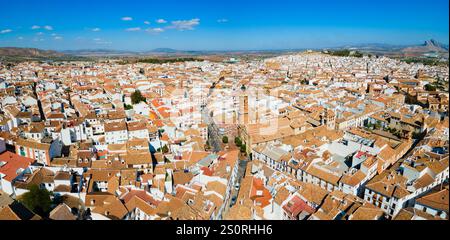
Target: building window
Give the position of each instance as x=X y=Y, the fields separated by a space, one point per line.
x=22 y=151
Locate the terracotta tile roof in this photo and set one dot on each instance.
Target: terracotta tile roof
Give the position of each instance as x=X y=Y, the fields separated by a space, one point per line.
x=136 y=159
x=312 y=193
x=353 y=179
x=437 y=200
x=239 y=212
x=181 y=177
x=389 y=184
x=296 y=205
x=42 y=175
x=259 y=194
x=136 y=126
x=423 y=181
x=367 y=212
x=32 y=144
x=62 y=212
x=107 y=205
x=217 y=187
x=411 y=213
x=137 y=202
x=322 y=174
x=7 y=213
x=17 y=211
x=281 y=195
x=11 y=164
x=115 y=126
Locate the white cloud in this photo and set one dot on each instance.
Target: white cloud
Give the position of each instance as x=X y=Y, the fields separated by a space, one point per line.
x=5 y=31
x=222 y=20
x=96 y=29
x=58 y=38
x=182 y=25
x=54 y=34
x=20 y=38
x=134 y=29
x=103 y=42
x=40 y=33
x=47 y=27
x=161 y=21
x=146 y=22
x=155 y=30
x=127 y=19
x=97 y=39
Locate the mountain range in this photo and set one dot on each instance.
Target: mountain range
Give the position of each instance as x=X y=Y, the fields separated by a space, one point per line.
x=429 y=46
x=28 y=52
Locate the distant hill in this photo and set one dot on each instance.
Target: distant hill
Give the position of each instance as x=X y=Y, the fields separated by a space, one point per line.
x=164 y=50
x=430 y=48
x=28 y=52
x=427 y=47
x=436 y=43
x=375 y=46
x=173 y=52
x=99 y=52
x=109 y=52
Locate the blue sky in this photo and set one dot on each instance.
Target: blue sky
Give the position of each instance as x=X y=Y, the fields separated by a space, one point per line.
x=219 y=25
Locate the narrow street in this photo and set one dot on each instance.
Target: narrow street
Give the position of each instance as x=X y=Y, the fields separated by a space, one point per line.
x=408 y=153
x=214 y=138
x=215 y=141
x=241 y=172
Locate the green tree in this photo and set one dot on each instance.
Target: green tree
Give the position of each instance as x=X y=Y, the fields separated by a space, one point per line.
x=341 y=53
x=430 y=87
x=243 y=148
x=416 y=135
x=358 y=54
x=377 y=125
x=237 y=141
x=165 y=149
x=38 y=200
x=137 y=97
x=225 y=139
x=128 y=107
